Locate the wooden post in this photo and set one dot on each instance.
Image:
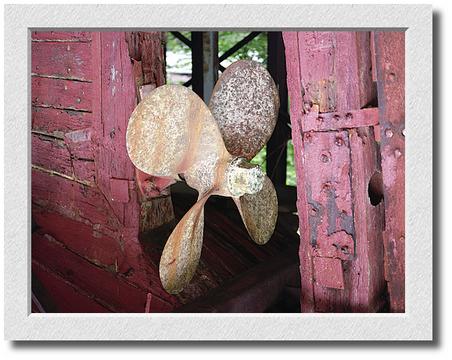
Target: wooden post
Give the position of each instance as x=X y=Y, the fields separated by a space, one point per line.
x=390 y=63
x=336 y=156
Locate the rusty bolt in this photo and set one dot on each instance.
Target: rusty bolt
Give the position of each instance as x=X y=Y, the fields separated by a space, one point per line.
x=320 y=119
x=324 y=158
x=336 y=117
x=349 y=116
x=339 y=141
x=392 y=77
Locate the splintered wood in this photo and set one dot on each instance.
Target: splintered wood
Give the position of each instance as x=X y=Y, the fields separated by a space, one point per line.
x=85 y=199
x=334 y=120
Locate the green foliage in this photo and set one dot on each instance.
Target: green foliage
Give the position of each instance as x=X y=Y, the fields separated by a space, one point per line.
x=256 y=49
x=291 y=179
x=261 y=159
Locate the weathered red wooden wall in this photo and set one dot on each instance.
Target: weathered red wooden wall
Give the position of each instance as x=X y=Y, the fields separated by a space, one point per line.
x=85 y=200
x=335 y=131
x=390 y=66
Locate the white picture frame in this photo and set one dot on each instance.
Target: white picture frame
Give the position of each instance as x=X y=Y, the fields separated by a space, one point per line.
x=415 y=324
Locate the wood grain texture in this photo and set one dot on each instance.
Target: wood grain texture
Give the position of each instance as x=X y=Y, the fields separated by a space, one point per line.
x=63 y=36
x=329 y=74
x=62 y=60
x=390 y=64
x=64 y=296
x=57 y=122
x=61 y=94
x=297 y=104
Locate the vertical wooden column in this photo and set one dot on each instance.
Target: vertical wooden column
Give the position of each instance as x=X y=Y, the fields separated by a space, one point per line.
x=390 y=63
x=336 y=155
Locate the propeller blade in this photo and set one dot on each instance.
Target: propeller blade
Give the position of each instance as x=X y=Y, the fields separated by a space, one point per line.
x=166 y=129
x=182 y=251
x=245 y=104
x=259 y=212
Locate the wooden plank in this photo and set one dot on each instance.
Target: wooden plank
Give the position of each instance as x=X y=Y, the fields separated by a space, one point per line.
x=328 y=272
x=52 y=154
x=328 y=78
x=112 y=290
x=61 y=94
x=84 y=239
x=367 y=278
x=390 y=63
x=294 y=85
x=62 y=60
x=66 y=36
x=328 y=188
x=66 y=297
x=339 y=121
x=58 y=122
x=74 y=200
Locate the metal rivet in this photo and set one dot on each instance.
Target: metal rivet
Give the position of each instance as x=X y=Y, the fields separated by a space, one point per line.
x=389 y=133
x=339 y=141
x=397 y=153
x=324 y=158
x=403 y=132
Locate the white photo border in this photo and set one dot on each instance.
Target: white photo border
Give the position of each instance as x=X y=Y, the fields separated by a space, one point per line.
x=415 y=324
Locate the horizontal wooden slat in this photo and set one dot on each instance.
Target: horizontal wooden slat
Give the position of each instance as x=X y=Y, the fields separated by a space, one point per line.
x=62 y=94
x=336 y=121
x=108 y=287
x=83 y=239
x=72 y=199
x=69 y=156
x=63 y=295
x=65 y=60
x=51 y=154
x=75 y=36
x=57 y=121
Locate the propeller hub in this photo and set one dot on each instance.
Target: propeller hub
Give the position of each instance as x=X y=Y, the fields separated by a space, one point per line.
x=243 y=177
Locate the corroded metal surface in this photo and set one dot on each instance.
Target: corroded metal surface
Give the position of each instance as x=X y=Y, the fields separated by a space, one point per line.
x=259 y=212
x=245 y=104
x=172 y=134
x=182 y=251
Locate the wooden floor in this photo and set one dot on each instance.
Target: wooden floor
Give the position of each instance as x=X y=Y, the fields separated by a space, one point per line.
x=231 y=260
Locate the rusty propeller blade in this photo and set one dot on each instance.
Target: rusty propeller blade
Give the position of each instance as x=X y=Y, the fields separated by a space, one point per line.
x=245 y=104
x=259 y=212
x=172 y=132
x=182 y=251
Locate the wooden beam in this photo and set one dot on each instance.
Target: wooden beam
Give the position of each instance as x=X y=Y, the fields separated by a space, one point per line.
x=182 y=38
x=390 y=63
